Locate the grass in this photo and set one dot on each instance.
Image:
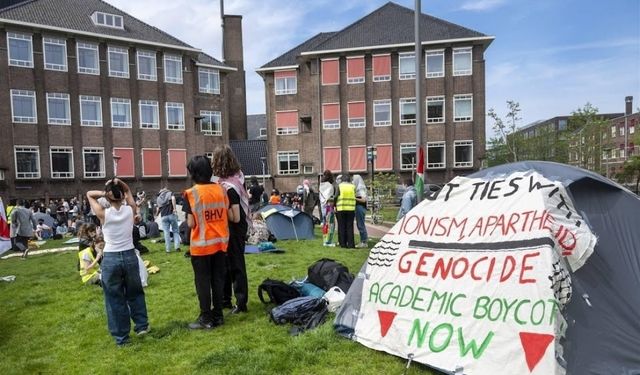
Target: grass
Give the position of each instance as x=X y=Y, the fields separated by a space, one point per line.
x=51 y=323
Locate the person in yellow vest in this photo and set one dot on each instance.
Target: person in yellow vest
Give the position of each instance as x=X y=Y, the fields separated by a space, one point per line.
x=206 y=206
x=89 y=263
x=345 y=211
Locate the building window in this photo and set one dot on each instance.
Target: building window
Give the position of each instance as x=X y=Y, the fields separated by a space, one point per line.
x=151 y=162
x=407 y=156
x=562 y=125
x=209 y=80
x=613 y=131
x=381 y=68
x=463 y=107
x=118 y=62
x=263 y=132
x=20 y=49
x=93 y=160
x=61 y=159
x=407 y=111
x=357 y=158
x=462 y=61
x=356 y=114
x=55 y=54
x=2 y=175
x=124 y=166
x=88 y=62
x=288 y=162
x=463 y=154
x=355 y=69
x=307 y=169
x=149 y=114
x=331 y=116
x=173 y=69
x=332 y=157
x=286 y=122
x=27 y=162
x=434 y=64
x=407 y=65
x=632 y=129
x=177 y=162
x=436 y=155
x=621 y=130
x=23 y=106
x=435 y=109
x=286 y=82
x=107 y=20
x=120 y=113
x=382 y=112
x=175 y=116
x=330 y=72
x=58 y=109
x=211 y=124
x=147 y=66
x=90 y=110
x=384 y=158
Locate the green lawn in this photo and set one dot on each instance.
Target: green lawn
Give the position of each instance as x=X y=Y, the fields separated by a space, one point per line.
x=50 y=323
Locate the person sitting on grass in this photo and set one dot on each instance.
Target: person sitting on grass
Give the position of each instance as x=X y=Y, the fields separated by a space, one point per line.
x=90 y=258
x=43 y=231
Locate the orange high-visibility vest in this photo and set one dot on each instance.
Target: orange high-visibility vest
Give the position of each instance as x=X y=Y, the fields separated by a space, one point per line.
x=209 y=205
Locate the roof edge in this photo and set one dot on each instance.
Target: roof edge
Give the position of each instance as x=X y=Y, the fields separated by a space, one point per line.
x=284 y=67
x=105 y=36
x=221 y=67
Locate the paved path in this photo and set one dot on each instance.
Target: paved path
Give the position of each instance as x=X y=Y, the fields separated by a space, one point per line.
x=377 y=230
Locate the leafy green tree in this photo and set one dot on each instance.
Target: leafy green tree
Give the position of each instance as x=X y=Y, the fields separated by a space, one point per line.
x=587 y=129
x=385 y=185
x=506 y=130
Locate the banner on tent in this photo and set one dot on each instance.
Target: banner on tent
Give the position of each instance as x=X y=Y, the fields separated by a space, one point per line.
x=476 y=278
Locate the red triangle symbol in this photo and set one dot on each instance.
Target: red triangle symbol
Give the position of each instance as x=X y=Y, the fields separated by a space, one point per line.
x=386 y=319
x=534 y=345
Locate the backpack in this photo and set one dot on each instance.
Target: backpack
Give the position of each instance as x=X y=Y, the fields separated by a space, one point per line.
x=327 y=273
x=277 y=291
x=305 y=312
x=164 y=198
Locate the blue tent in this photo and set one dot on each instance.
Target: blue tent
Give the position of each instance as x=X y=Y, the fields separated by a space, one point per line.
x=286 y=223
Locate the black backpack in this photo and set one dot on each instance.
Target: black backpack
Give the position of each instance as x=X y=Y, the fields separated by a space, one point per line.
x=277 y=291
x=327 y=273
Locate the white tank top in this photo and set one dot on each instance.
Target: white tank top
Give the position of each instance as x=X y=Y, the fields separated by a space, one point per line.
x=118 y=229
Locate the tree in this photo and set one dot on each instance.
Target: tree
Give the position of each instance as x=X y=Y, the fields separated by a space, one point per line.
x=631 y=171
x=507 y=132
x=385 y=185
x=587 y=128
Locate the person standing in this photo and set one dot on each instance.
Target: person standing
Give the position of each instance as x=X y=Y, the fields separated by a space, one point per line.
x=361 y=210
x=123 y=294
x=22 y=226
x=166 y=207
x=255 y=194
x=206 y=207
x=226 y=167
x=345 y=211
x=326 y=193
x=309 y=198
x=409 y=198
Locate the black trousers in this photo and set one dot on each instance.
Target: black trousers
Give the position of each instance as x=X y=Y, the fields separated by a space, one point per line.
x=345 y=228
x=236 y=273
x=209 y=273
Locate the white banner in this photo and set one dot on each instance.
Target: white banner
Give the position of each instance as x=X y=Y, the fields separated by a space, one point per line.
x=5 y=240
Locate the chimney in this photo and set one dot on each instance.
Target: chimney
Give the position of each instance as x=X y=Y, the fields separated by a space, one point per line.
x=236 y=91
x=628 y=105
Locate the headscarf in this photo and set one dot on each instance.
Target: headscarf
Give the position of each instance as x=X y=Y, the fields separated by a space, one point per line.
x=237 y=183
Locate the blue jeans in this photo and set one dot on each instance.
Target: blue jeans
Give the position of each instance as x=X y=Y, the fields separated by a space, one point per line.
x=123 y=294
x=171 y=221
x=361 y=212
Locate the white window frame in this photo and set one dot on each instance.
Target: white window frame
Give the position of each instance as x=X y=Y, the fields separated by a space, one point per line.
x=459 y=52
x=61 y=150
x=89 y=47
x=94 y=99
x=385 y=102
x=209 y=73
x=24 y=119
x=57 y=42
x=462 y=164
x=614 y=130
x=26 y=175
x=357 y=122
x=354 y=80
x=632 y=129
x=58 y=121
x=307 y=169
x=621 y=131
x=16 y=62
x=407 y=167
x=438 y=52
x=178 y=59
x=406 y=55
x=287 y=90
x=121 y=124
x=174 y=105
x=288 y=154
x=93 y=150
x=211 y=115
x=434 y=99
x=156 y=110
x=263 y=132
x=151 y=55
x=380 y=78
x=119 y=51
x=287 y=131
x=102 y=19
x=456 y=99
x=406 y=101
x=439 y=165
x=331 y=124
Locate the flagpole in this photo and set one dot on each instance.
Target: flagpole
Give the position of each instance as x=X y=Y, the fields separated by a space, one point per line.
x=418 y=57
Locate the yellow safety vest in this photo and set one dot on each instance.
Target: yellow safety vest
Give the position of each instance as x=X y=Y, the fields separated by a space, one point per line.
x=209 y=204
x=89 y=273
x=347 y=198
x=9 y=211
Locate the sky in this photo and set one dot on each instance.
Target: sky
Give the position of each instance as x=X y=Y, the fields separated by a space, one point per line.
x=551 y=56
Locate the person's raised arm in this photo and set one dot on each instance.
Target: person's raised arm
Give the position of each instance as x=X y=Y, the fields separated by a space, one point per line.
x=92 y=197
x=128 y=196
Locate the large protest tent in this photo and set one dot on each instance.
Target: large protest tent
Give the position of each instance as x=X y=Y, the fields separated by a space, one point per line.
x=287 y=223
x=529 y=267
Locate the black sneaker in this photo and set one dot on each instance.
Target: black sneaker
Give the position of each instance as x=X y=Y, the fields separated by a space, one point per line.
x=239 y=309
x=187 y=254
x=199 y=324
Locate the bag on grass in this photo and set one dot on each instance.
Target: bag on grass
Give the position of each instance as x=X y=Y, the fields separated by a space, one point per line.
x=308 y=289
x=298 y=311
x=277 y=291
x=327 y=273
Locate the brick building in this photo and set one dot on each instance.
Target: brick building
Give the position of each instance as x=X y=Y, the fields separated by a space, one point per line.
x=92 y=91
x=337 y=93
